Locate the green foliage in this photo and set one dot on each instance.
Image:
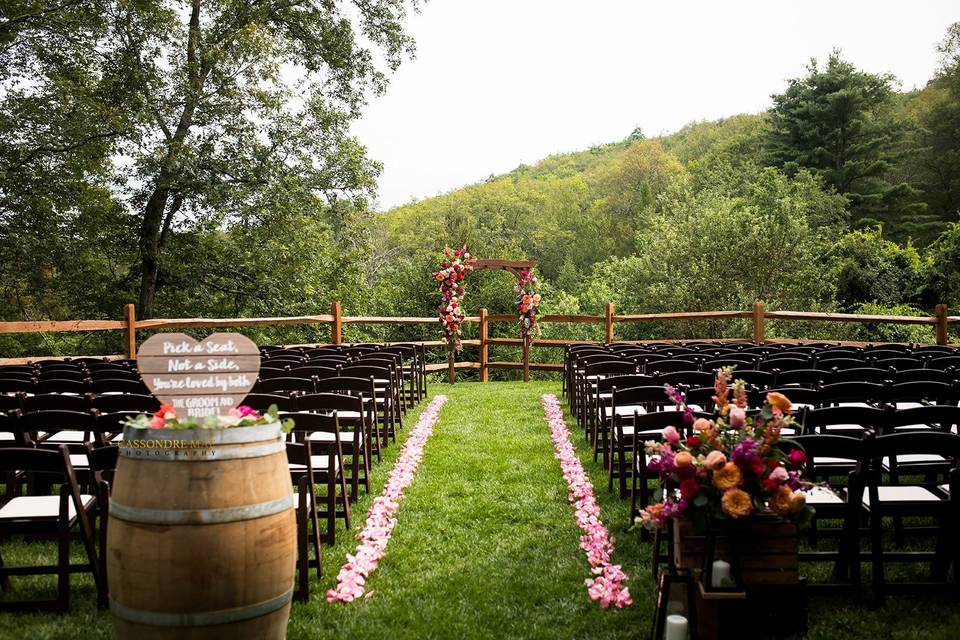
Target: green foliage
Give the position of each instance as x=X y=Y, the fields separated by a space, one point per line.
x=891 y=332
x=871 y=269
x=837 y=121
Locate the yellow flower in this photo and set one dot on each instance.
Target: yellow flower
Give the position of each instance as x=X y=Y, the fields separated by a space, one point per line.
x=781 y=501
x=736 y=503
x=726 y=477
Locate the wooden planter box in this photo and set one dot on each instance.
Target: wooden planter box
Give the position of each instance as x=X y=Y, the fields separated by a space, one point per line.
x=772 y=602
x=766 y=547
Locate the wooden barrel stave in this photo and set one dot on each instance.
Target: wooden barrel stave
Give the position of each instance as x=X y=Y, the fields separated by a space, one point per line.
x=210 y=573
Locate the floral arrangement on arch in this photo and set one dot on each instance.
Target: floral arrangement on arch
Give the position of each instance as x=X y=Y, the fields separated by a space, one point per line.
x=730 y=467
x=242 y=416
x=453 y=270
x=528 y=304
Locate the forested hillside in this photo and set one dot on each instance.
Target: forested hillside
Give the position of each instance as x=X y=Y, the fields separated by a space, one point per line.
x=844 y=196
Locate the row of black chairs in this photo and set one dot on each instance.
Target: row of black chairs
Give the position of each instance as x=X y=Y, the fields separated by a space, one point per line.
x=342 y=424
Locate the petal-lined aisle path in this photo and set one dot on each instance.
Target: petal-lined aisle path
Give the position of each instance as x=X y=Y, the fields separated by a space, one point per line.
x=484 y=545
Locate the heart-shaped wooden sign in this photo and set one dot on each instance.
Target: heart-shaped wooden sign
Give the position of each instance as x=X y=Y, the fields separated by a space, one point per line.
x=199 y=378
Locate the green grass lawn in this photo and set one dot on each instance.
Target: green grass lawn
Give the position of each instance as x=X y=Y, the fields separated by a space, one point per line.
x=486 y=547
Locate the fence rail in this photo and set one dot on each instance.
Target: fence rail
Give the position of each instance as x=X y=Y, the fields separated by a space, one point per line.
x=940 y=321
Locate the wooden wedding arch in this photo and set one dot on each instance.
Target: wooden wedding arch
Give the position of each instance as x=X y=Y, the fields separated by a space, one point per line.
x=516 y=267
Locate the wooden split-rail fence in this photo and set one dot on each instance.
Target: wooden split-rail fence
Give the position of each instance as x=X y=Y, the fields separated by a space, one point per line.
x=940 y=321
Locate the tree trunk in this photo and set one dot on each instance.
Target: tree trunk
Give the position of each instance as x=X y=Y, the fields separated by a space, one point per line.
x=150 y=248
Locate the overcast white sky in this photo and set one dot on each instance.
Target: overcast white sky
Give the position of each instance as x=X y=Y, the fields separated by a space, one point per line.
x=496 y=83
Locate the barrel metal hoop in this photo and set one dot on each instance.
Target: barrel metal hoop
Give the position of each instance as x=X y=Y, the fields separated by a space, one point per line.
x=201 y=454
x=232 y=435
x=202 y=619
x=200 y=516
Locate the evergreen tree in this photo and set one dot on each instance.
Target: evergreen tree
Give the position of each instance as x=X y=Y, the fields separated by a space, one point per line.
x=837 y=121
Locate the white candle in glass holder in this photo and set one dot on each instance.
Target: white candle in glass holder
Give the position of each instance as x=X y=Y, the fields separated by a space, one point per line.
x=721 y=572
x=676 y=628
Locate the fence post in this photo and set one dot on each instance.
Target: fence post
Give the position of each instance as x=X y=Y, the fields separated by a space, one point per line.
x=941 y=312
x=130 y=333
x=484 y=347
x=451 y=369
x=758 y=321
x=609 y=323
x=526 y=359
x=336 y=328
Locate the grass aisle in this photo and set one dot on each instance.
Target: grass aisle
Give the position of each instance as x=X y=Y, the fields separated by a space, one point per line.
x=486 y=544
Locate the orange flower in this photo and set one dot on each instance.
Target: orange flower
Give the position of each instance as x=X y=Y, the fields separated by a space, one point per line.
x=702 y=424
x=779 y=401
x=726 y=477
x=683 y=459
x=736 y=503
x=781 y=500
x=799 y=501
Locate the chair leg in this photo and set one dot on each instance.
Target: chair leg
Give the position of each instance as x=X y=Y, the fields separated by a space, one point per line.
x=345 y=498
x=302 y=592
x=63 y=568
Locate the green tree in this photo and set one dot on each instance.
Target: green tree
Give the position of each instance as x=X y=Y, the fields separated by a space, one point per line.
x=187 y=113
x=836 y=120
x=936 y=168
x=871 y=269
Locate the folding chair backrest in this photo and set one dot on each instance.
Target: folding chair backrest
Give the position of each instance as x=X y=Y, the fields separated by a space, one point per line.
x=944 y=418
x=687 y=378
x=866 y=418
x=137 y=402
x=56 y=402
x=263 y=401
x=286 y=385
x=919 y=391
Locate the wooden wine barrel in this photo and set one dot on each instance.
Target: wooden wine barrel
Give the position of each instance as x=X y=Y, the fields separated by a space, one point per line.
x=201 y=540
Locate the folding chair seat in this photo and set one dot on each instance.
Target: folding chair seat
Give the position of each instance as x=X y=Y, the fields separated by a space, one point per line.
x=834 y=501
x=58 y=516
x=355 y=432
x=364 y=389
x=629 y=434
x=55 y=427
x=586 y=381
x=900 y=501
x=325 y=467
x=387 y=394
